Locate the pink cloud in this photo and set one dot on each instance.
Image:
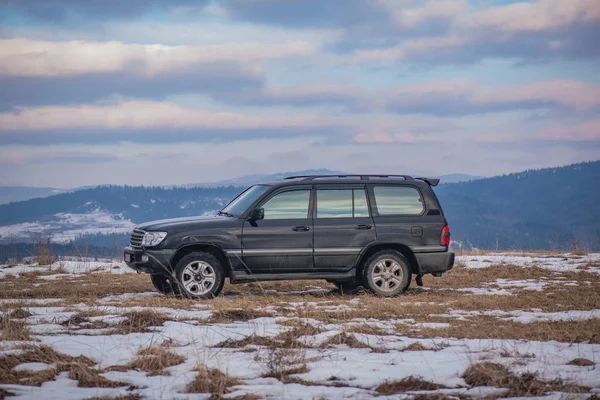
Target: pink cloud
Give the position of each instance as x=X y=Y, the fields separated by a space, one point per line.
x=588 y=131
x=400 y=137
x=494 y=138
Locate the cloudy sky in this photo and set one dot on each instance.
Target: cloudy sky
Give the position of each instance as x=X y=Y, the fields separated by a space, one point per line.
x=181 y=91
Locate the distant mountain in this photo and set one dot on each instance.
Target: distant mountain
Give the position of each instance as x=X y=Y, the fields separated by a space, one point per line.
x=20 y=193
x=538 y=209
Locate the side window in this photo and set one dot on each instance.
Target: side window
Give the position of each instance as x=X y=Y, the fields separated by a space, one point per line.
x=398 y=200
x=288 y=205
x=341 y=203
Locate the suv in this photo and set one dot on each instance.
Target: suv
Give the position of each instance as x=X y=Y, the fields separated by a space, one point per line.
x=374 y=231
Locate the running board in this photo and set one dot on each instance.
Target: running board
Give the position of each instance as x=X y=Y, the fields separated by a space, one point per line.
x=244 y=277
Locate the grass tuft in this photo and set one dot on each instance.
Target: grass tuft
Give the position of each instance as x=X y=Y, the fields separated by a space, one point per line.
x=211 y=381
x=408 y=384
x=13 y=330
x=528 y=384
x=140 y=321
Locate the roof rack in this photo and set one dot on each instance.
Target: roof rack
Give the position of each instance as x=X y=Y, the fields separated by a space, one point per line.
x=362 y=177
x=430 y=181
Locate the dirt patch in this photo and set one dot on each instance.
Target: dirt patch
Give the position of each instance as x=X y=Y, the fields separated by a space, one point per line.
x=19 y=313
x=581 y=362
x=528 y=384
x=408 y=384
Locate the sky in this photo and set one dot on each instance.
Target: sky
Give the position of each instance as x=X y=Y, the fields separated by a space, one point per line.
x=159 y=92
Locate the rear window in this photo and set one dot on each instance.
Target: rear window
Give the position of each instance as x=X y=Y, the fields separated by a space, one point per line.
x=398 y=200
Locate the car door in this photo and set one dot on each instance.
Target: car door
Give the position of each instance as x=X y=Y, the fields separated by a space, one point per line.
x=342 y=226
x=282 y=241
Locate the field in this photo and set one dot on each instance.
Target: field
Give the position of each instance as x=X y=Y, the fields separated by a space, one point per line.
x=498 y=325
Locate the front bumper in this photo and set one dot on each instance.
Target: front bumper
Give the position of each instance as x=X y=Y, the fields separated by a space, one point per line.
x=149 y=261
x=435 y=263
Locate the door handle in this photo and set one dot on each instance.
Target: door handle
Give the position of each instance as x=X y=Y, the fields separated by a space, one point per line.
x=301 y=229
x=363 y=227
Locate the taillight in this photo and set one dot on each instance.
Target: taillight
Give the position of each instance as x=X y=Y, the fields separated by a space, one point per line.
x=445 y=240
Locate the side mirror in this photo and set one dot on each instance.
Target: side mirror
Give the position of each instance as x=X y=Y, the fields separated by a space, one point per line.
x=257 y=214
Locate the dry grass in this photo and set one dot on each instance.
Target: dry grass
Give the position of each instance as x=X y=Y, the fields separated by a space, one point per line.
x=408 y=384
x=232 y=315
x=489 y=328
x=345 y=339
x=40 y=354
x=141 y=321
x=279 y=363
x=496 y=375
x=76 y=289
x=366 y=329
x=153 y=360
x=13 y=330
x=5 y=393
x=88 y=377
x=254 y=340
x=211 y=381
x=131 y=396
x=581 y=362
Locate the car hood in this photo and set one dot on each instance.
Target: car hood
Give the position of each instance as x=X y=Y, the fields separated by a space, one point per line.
x=177 y=223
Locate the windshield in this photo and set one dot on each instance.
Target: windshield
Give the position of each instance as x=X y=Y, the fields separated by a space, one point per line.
x=241 y=203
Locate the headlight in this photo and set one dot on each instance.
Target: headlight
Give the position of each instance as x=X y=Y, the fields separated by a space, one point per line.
x=153 y=238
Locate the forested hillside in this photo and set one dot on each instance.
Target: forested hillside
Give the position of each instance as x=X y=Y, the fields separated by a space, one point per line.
x=537 y=209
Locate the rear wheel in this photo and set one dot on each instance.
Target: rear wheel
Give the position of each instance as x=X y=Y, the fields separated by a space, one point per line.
x=387 y=273
x=200 y=276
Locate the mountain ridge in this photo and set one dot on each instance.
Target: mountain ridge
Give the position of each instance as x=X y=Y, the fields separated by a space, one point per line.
x=547 y=208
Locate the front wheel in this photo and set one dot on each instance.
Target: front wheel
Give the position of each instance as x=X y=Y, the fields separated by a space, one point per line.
x=387 y=273
x=200 y=276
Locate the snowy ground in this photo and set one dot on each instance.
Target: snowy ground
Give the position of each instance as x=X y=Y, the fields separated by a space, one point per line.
x=498 y=325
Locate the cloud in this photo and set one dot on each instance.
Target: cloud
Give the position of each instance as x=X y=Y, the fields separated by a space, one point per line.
x=140 y=115
x=540 y=15
x=494 y=138
x=75 y=10
x=399 y=137
x=16 y=158
x=41 y=72
x=455 y=97
x=588 y=131
x=23 y=57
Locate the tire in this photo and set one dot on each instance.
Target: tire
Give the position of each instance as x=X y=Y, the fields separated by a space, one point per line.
x=387 y=273
x=163 y=284
x=199 y=276
x=347 y=287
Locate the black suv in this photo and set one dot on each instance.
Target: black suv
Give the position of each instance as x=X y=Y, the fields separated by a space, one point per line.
x=374 y=231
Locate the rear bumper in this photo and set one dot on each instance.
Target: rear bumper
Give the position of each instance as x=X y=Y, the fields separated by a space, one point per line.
x=149 y=261
x=431 y=263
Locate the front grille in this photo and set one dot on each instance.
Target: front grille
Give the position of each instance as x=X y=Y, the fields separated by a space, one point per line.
x=136 y=238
